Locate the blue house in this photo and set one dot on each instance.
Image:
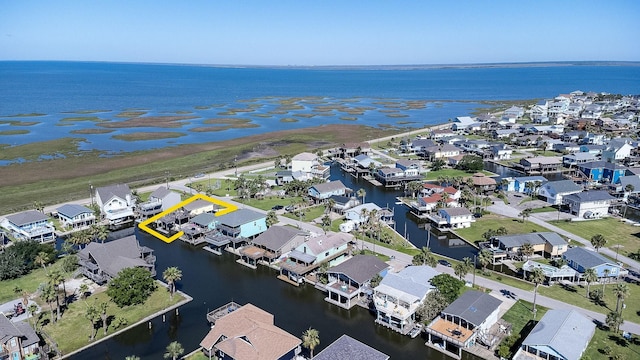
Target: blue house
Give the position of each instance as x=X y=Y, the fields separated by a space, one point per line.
x=603 y=171
x=242 y=223
x=30 y=225
x=520 y=183
x=581 y=259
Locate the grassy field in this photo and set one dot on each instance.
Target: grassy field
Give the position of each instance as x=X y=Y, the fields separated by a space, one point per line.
x=603 y=339
x=520 y=314
x=615 y=231
x=513 y=226
x=433 y=175
x=73 y=329
x=28 y=283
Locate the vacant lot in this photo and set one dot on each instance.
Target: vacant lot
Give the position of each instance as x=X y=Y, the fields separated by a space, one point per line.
x=513 y=226
x=615 y=231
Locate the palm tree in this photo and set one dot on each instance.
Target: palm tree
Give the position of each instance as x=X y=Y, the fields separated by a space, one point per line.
x=485 y=257
x=606 y=273
x=598 y=241
x=614 y=320
x=32 y=308
x=171 y=275
x=621 y=291
x=461 y=270
x=83 y=289
x=310 y=339
x=99 y=232
x=536 y=277
x=272 y=218
x=361 y=193
x=49 y=295
x=527 y=250
x=414 y=187
x=326 y=223
x=92 y=314
x=525 y=213
x=174 y=349
x=102 y=310
x=55 y=278
x=42 y=259
x=590 y=275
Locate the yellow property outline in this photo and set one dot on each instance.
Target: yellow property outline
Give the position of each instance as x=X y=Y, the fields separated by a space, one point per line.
x=226 y=208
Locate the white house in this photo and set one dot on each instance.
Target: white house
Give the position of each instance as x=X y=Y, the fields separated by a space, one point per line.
x=617 y=150
x=553 y=191
x=455 y=218
x=116 y=203
x=589 y=204
x=360 y=213
x=75 y=216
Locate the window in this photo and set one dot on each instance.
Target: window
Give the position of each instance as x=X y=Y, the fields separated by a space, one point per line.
x=326 y=254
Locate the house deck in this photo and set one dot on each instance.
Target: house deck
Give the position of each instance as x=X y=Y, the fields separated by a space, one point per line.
x=222 y=311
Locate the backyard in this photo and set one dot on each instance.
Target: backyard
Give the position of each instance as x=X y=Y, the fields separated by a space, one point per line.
x=615 y=232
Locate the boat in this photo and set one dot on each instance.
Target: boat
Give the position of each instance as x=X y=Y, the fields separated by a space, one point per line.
x=415 y=331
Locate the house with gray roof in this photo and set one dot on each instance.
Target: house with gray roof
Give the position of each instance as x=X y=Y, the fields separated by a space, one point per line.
x=116 y=203
x=29 y=225
x=465 y=321
x=244 y=223
x=399 y=295
x=581 y=259
x=271 y=245
x=589 y=204
x=548 y=244
x=18 y=340
x=102 y=262
x=325 y=190
x=349 y=280
x=75 y=216
x=346 y=347
x=560 y=334
x=161 y=199
x=553 y=191
x=453 y=218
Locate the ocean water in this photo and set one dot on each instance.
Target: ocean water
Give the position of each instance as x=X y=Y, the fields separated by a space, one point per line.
x=61 y=90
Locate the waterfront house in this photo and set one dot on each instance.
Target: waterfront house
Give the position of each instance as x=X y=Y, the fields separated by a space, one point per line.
x=248 y=333
x=553 y=191
x=101 y=262
x=18 y=340
x=344 y=203
x=330 y=248
x=431 y=202
x=560 y=334
x=242 y=223
x=465 y=321
x=540 y=164
x=349 y=150
x=29 y=225
x=483 y=183
x=396 y=176
x=452 y=218
x=520 y=184
x=161 y=199
x=617 y=150
x=501 y=152
x=75 y=216
x=360 y=213
x=589 y=204
x=365 y=162
x=575 y=159
x=349 y=281
x=581 y=259
x=346 y=347
x=325 y=190
x=399 y=295
x=602 y=171
x=551 y=273
x=116 y=203
x=309 y=164
x=200 y=206
x=410 y=167
x=441 y=151
x=273 y=244
x=547 y=244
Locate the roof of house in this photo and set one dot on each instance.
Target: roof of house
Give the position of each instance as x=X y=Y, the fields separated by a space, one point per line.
x=342 y=200
x=360 y=268
x=29 y=335
x=8 y=329
x=366 y=206
x=441 y=148
x=481 y=179
x=411 y=284
x=249 y=333
x=329 y=186
x=116 y=255
x=456 y=211
x=26 y=217
x=118 y=190
x=160 y=193
x=275 y=237
x=473 y=306
x=199 y=204
x=602 y=164
x=407 y=162
x=322 y=243
x=523 y=179
x=544 y=160
x=73 y=210
x=434 y=198
x=204 y=219
x=566 y=331
x=346 y=347
x=305 y=156
x=536 y=238
x=590 y=196
x=633 y=180
x=390 y=170
x=562 y=186
x=240 y=217
x=585 y=258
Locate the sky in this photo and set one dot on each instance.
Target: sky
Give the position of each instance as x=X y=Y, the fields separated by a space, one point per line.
x=318 y=33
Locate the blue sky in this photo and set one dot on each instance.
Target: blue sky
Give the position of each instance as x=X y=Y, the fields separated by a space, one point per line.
x=298 y=32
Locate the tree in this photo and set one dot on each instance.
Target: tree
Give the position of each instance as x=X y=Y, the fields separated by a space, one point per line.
x=69 y=263
x=55 y=278
x=614 y=320
x=424 y=257
x=606 y=273
x=414 y=188
x=326 y=222
x=536 y=277
x=621 y=291
x=526 y=250
x=92 y=314
x=83 y=290
x=471 y=163
x=32 y=309
x=375 y=281
x=598 y=241
x=310 y=339
x=361 y=193
x=132 y=286
x=525 y=213
x=102 y=311
x=48 y=294
x=432 y=306
x=272 y=218
x=590 y=275
x=461 y=270
x=99 y=232
x=437 y=164
x=171 y=275
x=173 y=350
x=485 y=257
x=42 y=259
x=448 y=286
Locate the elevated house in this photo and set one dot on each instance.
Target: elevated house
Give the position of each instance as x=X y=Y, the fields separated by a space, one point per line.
x=540 y=164
x=441 y=151
x=534 y=183
x=500 y=152
x=101 y=262
x=249 y=333
x=29 y=225
x=331 y=248
x=349 y=150
x=321 y=192
x=242 y=223
x=399 y=295
x=284 y=177
x=418 y=145
x=431 y=202
x=559 y=335
x=271 y=245
x=349 y=280
x=547 y=244
x=410 y=167
x=200 y=206
x=346 y=347
x=554 y=191
x=310 y=165
x=483 y=183
x=576 y=159
x=581 y=259
x=361 y=213
x=452 y=218
x=464 y=322
x=161 y=199
x=18 y=340
x=344 y=203
x=75 y=216
x=396 y=176
x=589 y=204
x=617 y=150
x=602 y=171
x=592 y=149
x=116 y=203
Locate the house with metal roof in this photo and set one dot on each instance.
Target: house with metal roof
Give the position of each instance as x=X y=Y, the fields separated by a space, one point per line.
x=581 y=259
x=520 y=183
x=75 y=216
x=465 y=321
x=399 y=295
x=559 y=335
x=161 y=199
x=349 y=281
x=271 y=245
x=454 y=218
x=602 y=171
x=346 y=347
x=589 y=204
x=116 y=203
x=18 y=340
x=360 y=213
x=548 y=244
x=325 y=190
x=553 y=191
x=29 y=225
x=244 y=223
x=102 y=262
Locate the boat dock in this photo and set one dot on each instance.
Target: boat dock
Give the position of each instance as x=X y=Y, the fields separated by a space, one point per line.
x=220 y=312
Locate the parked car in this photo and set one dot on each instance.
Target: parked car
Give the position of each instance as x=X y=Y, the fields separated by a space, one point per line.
x=444 y=263
x=277 y=207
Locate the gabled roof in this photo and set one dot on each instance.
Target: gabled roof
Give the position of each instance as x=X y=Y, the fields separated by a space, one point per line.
x=567 y=332
x=275 y=237
x=590 y=196
x=118 y=190
x=562 y=186
x=73 y=210
x=249 y=333
x=523 y=179
x=160 y=193
x=586 y=258
x=305 y=156
x=199 y=204
x=29 y=335
x=360 y=268
x=319 y=244
x=473 y=306
x=8 y=329
x=348 y=348
x=601 y=164
x=26 y=217
x=456 y=211
x=116 y=255
x=411 y=284
x=240 y=217
x=536 y=238
x=204 y=219
x=329 y=186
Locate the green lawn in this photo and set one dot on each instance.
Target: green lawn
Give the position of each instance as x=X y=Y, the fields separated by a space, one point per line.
x=615 y=231
x=268 y=202
x=520 y=314
x=433 y=175
x=73 y=329
x=513 y=226
x=544 y=209
x=28 y=283
x=606 y=339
